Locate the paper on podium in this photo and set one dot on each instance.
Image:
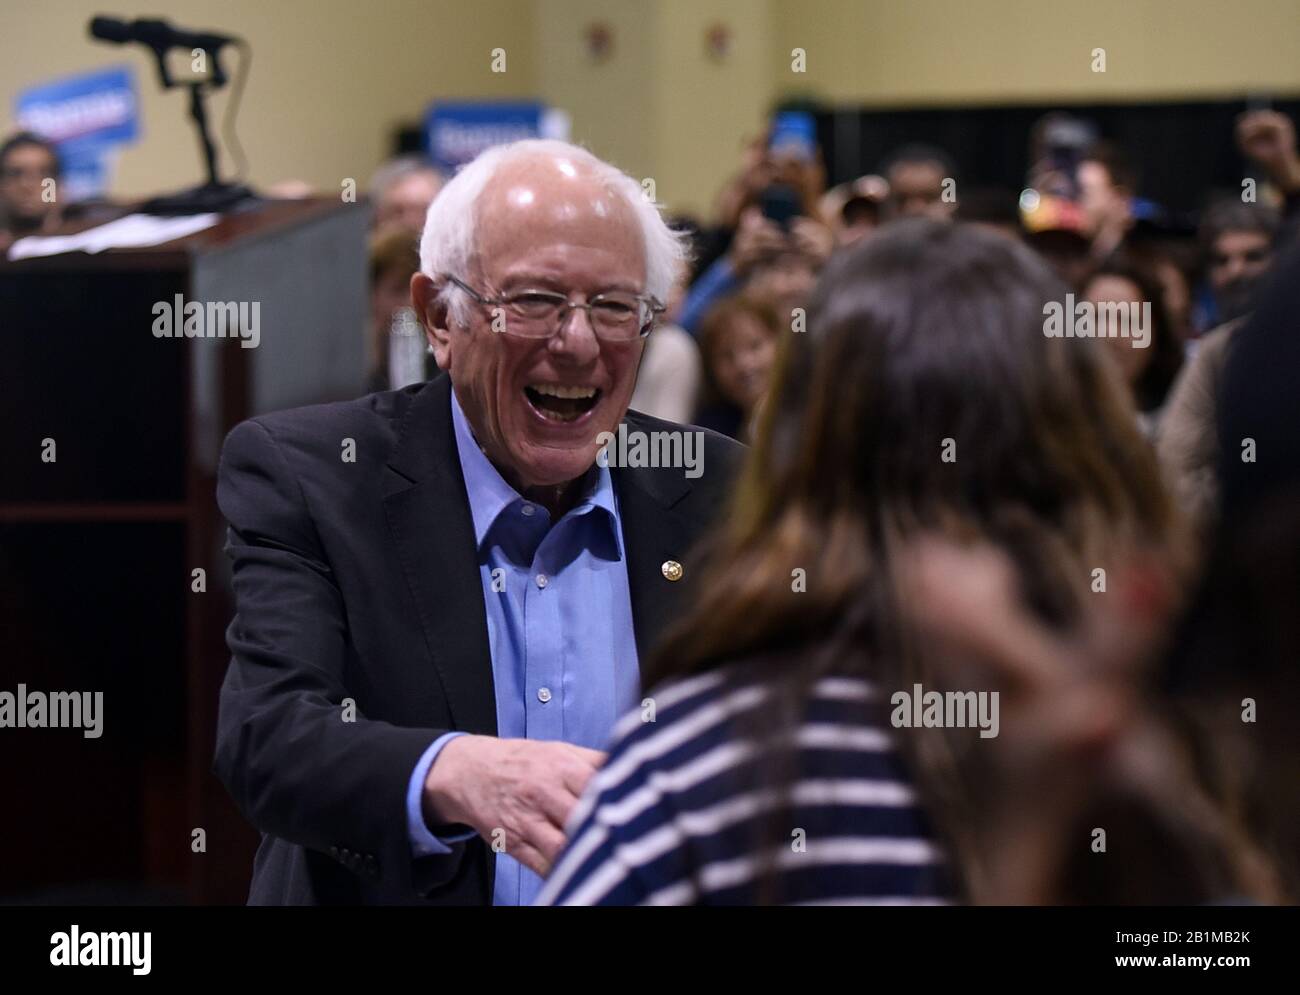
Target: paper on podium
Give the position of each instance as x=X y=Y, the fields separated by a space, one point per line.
x=134 y=231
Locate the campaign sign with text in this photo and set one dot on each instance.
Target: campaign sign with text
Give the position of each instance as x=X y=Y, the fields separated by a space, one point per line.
x=455 y=133
x=86 y=116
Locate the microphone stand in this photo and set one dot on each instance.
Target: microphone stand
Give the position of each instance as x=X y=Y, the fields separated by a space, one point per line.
x=214 y=195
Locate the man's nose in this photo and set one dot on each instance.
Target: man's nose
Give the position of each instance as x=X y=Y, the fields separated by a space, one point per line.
x=576 y=338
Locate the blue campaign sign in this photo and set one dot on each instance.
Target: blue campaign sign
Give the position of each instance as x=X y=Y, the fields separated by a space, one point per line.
x=86 y=173
x=86 y=116
x=455 y=133
x=91 y=110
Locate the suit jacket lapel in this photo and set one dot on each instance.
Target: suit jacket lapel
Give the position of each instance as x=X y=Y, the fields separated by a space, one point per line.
x=429 y=518
x=656 y=529
x=433 y=540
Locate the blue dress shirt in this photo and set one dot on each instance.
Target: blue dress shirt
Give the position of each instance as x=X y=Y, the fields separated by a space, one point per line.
x=559 y=617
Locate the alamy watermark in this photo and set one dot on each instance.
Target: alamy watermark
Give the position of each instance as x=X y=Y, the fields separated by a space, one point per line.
x=1106 y=319
x=54 y=710
x=637 y=449
x=182 y=319
x=921 y=709
x=102 y=949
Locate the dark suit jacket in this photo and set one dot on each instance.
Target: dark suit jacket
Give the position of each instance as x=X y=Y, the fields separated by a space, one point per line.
x=360 y=580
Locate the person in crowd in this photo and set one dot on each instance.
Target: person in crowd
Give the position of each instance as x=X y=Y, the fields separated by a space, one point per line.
x=1150 y=355
x=1066 y=251
x=775 y=770
x=771 y=206
x=995 y=208
x=443 y=595
x=853 y=210
x=394 y=259
x=784 y=282
x=916 y=175
x=1260 y=433
x=671 y=373
x=1176 y=291
x=1268 y=139
x=1239 y=243
x=1058 y=142
x=1108 y=183
x=402 y=190
x=782 y=258
x=1237 y=240
x=1173 y=261
x=30 y=170
x=740 y=339
x=762 y=167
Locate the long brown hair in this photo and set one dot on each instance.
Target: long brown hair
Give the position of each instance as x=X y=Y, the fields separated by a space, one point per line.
x=924 y=396
x=1153 y=385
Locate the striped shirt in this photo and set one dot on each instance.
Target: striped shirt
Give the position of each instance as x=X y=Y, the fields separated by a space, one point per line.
x=685 y=803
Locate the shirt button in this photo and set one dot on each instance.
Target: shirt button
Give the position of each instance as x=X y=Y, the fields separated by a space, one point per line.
x=544 y=695
x=528 y=510
x=541 y=580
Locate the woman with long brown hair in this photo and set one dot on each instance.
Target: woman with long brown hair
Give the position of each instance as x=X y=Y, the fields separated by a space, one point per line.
x=924 y=399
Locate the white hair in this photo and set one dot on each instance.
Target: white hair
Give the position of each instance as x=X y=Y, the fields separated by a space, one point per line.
x=448 y=244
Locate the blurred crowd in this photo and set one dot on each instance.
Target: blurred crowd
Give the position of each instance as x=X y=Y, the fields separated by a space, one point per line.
x=775 y=224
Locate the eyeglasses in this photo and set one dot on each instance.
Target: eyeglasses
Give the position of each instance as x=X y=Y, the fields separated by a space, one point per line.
x=539 y=314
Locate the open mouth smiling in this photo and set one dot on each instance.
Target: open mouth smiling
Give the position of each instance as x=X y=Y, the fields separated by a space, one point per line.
x=561 y=402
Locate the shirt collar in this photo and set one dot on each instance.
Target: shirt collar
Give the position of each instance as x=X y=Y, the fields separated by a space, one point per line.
x=490 y=495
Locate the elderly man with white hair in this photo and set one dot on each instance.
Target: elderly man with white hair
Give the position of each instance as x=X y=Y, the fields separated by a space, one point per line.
x=443 y=595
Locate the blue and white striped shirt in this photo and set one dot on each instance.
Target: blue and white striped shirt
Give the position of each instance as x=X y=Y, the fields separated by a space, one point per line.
x=680 y=810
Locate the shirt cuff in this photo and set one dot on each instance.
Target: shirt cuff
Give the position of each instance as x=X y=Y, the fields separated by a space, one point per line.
x=423 y=842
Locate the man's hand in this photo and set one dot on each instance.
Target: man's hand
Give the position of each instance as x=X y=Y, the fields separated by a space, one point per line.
x=516 y=791
x=1268 y=138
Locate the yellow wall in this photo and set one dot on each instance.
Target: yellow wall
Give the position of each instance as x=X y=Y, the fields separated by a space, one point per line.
x=659 y=106
x=611 y=102
x=332 y=78
x=944 y=51
x=707 y=110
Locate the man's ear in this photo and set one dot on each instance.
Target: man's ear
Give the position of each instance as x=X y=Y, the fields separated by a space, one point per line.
x=433 y=316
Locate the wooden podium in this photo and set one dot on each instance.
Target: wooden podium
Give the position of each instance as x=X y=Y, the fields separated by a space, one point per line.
x=99 y=547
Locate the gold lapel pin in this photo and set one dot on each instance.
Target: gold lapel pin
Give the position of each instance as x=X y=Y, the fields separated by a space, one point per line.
x=672 y=570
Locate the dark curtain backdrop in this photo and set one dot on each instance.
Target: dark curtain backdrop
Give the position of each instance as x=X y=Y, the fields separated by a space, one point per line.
x=1182 y=150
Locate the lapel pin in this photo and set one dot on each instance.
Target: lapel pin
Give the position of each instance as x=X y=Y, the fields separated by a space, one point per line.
x=672 y=570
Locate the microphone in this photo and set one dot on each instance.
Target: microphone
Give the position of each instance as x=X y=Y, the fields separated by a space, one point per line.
x=156 y=33
x=160 y=37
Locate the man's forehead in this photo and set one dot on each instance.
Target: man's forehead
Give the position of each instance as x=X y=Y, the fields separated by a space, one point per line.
x=554 y=185
x=915 y=167
x=541 y=202
x=1241 y=235
x=29 y=152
